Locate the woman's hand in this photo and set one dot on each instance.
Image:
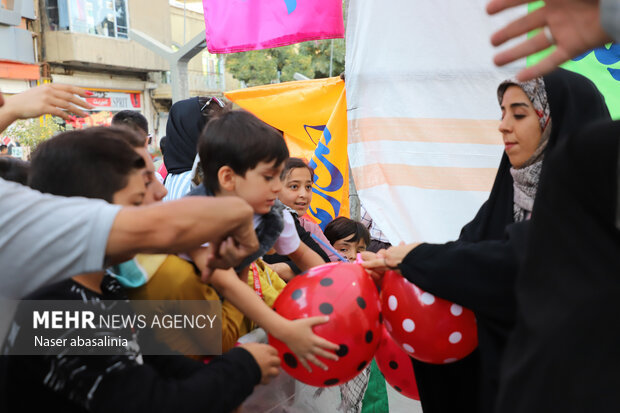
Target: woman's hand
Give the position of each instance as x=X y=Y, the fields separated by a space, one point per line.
x=383 y=260
x=54 y=99
x=574 y=24
x=372 y=264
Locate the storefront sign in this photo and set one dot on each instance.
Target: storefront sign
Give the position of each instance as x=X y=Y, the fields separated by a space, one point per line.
x=115 y=101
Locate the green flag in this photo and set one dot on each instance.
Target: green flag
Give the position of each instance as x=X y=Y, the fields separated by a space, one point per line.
x=601 y=66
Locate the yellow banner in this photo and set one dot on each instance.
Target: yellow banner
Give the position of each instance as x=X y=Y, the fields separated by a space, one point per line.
x=331 y=168
x=313 y=116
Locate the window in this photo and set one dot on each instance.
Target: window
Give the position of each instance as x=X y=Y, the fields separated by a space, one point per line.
x=106 y=18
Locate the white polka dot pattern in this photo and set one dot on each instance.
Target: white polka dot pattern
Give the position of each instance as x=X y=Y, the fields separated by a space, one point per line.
x=428 y=298
x=439 y=330
x=455 y=337
x=408 y=348
x=408 y=325
x=456 y=310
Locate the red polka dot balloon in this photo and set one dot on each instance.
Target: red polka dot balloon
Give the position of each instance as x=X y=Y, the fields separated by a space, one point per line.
x=428 y=328
x=347 y=294
x=396 y=367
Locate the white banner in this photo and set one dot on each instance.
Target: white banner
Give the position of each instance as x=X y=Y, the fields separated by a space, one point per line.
x=423 y=115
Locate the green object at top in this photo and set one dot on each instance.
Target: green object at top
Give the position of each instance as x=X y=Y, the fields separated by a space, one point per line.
x=602 y=66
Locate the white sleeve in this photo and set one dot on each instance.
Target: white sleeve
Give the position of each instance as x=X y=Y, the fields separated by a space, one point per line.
x=289 y=241
x=44 y=238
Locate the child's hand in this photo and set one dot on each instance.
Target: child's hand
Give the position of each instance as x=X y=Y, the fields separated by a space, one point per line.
x=223 y=280
x=267 y=359
x=283 y=270
x=200 y=257
x=298 y=336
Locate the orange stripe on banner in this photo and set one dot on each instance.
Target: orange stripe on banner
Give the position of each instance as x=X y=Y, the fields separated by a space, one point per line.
x=425 y=177
x=425 y=130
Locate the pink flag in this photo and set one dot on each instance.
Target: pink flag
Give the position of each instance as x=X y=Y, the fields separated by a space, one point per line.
x=241 y=25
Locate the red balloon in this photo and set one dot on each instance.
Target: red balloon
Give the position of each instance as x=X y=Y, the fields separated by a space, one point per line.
x=396 y=367
x=347 y=294
x=427 y=328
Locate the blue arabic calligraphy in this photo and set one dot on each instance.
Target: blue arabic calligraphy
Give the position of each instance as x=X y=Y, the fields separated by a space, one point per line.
x=335 y=183
x=291 y=5
x=606 y=57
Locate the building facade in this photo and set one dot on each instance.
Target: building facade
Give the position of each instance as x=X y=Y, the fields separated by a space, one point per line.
x=86 y=43
x=207 y=74
x=18 y=43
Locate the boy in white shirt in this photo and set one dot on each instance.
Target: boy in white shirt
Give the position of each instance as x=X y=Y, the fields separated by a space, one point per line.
x=242 y=156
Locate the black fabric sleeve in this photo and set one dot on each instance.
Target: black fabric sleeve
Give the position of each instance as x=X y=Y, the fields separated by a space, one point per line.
x=471 y=231
x=161 y=386
x=173 y=366
x=477 y=275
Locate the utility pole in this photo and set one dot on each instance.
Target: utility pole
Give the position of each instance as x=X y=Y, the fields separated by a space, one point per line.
x=331 y=60
x=178 y=60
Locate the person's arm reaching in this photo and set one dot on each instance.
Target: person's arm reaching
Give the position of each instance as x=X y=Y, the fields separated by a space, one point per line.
x=477 y=275
x=297 y=334
x=575 y=26
x=52 y=99
x=181 y=225
x=306 y=258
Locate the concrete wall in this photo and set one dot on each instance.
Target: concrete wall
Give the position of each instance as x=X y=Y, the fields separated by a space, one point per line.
x=15 y=41
x=96 y=51
x=16 y=44
x=194 y=25
x=148 y=16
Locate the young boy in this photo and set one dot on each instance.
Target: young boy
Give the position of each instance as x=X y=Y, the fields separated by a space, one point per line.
x=348 y=237
x=170 y=278
x=97 y=164
x=242 y=156
x=163 y=277
x=135 y=121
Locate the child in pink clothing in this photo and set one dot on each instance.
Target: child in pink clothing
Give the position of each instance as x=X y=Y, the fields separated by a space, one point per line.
x=297 y=177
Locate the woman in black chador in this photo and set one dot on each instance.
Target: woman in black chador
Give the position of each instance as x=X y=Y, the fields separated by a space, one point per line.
x=478 y=271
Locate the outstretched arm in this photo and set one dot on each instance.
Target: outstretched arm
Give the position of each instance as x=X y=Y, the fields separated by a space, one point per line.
x=297 y=334
x=181 y=225
x=574 y=24
x=48 y=99
x=305 y=258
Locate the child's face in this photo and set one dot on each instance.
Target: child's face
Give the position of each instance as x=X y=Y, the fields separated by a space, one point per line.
x=348 y=248
x=260 y=186
x=133 y=194
x=155 y=190
x=135 y=190
x=297 y=191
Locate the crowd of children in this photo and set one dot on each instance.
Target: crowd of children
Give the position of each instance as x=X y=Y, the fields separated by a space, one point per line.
x=240 y=156
x=550 y=282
